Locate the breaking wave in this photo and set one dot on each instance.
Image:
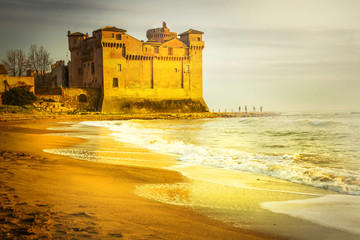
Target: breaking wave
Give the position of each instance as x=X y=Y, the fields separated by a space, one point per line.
x=292 y=167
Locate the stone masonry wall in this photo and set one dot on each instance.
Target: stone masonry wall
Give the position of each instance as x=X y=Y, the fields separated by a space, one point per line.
x=72 y=99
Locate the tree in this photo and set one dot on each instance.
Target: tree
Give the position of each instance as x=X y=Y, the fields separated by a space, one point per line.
x=15 y=62
x=39 y=60
x=21 y=63
x=33 y=60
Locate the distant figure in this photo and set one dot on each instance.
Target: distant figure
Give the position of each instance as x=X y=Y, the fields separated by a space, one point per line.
x=254 y=109
x=261 y=109
x=239 y=108
x=245 y=108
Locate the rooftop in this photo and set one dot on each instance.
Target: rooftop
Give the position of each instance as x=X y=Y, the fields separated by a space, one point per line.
x=191 y=31
x=3 y=69
x=75 y=34
x=111 y=29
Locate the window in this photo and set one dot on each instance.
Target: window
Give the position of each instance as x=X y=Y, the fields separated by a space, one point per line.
x=79 y=71
x=170 y=51
x=156 y=50
x=119 y=67
x=118 y=36
x=199 y=39
x=175 y=69
x=92 y=68
x=112 y=35
x=187 y=68
x=115 y=82
x=75 y=41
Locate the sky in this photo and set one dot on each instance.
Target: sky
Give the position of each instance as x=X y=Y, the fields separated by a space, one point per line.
x=284 y=55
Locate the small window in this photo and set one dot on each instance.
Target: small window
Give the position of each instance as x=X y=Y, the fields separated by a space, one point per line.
x=187 y=68
x=92 y=68
x=75 y=41
x=112 y=35
x=79 y=71
x=175 y=69
x=156 y=50
x=115 y=82
x=199 y=39
x=119 y=67
x=170 y=51
x=118 y=36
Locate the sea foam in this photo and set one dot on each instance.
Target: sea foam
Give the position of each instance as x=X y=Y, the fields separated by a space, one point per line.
x=283 y=166
x=336 y=211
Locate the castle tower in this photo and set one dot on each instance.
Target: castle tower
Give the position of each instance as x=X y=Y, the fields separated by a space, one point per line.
x=193 y=39
x=160 y=34
x=75 y=47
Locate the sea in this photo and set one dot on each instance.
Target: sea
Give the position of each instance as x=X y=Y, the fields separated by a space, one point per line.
x=316 y=150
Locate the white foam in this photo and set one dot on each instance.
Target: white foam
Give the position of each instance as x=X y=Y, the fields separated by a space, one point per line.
x=284 y=166
x=336 y=211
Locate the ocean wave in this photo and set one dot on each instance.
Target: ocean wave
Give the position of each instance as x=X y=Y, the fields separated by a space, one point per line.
x=289 y=167
x=321 y=123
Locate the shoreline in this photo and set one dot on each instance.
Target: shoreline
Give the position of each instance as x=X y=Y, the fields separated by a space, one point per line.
x=83 y=116
x=47 y=195
x=239 y=194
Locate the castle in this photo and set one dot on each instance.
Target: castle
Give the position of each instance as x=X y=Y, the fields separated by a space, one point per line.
x=163 y=74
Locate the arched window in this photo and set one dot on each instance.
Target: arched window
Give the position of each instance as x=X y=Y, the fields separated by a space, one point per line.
x=82 y=98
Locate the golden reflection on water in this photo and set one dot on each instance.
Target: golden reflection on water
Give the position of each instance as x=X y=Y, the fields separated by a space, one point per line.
x=179 y=193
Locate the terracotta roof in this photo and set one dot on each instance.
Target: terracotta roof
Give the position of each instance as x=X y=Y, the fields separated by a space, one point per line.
x=111 y=29
x=191 y=31
x=76 y=34
x=3 y=69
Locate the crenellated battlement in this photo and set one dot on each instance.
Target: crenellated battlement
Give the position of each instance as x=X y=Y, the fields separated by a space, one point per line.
x=162 y=68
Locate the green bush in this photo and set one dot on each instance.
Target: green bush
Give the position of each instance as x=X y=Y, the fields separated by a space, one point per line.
x=18 y=96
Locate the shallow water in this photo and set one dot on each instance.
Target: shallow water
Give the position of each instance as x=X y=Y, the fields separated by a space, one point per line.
x=317 y=150
x=318 y=153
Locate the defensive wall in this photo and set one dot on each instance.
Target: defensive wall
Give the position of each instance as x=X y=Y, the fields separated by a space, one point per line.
x=64 y=99
x=163 y=74
x=7 y=82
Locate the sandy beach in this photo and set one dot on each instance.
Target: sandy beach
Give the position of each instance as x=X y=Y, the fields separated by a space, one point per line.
x=143 y=194
x=50 y=196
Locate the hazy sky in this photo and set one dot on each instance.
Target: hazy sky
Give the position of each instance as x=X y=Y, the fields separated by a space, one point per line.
x=281 y=54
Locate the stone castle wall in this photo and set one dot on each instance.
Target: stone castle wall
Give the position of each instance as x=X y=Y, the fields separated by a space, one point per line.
x=131 y=72
x=73 y=99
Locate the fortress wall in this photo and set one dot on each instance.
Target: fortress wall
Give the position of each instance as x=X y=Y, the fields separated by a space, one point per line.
x=16 y=82
x=74 y=98
x=116 y=104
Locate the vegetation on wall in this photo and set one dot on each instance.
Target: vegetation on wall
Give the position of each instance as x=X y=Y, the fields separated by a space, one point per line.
x=180 y=105
x=18 y=96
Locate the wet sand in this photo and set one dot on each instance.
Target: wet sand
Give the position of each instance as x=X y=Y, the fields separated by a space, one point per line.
x=43 y=195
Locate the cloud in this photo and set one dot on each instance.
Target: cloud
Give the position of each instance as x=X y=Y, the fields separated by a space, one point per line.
x=50 y=5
